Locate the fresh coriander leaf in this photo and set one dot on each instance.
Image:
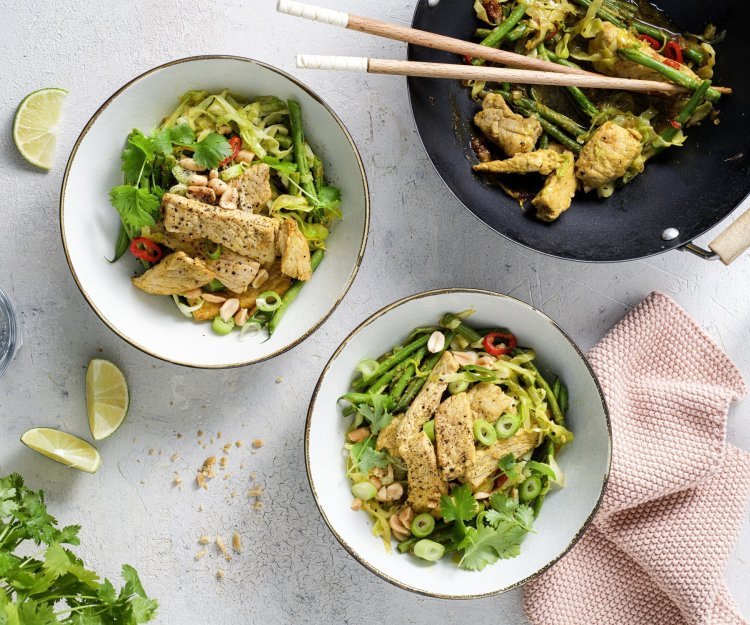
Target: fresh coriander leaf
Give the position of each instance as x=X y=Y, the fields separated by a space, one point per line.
x=485 y=545
x=508 y=465
x=162 y=142
x=137 y=157
x=371 y=458
x=285 y=167
x=182 y=134
x=69 y=535
x=31 y=612
x=211 y=150
x=137 y=207
x=132 y=581
x=56 y=560
x=144 y=609
x=106 y=593
x=459 y=505
x=377 y=414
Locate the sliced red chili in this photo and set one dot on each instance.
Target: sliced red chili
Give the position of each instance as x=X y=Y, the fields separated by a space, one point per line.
x=236 y=144
x=673 y=51
x=467 y=58
x=500 y=481
x=654 y=43
x=499 y=343
x=146 y=249
x=552 y=34
x=675 y=124
x=672 y=63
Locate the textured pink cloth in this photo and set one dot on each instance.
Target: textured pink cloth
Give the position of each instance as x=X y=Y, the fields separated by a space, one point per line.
x=657 y=548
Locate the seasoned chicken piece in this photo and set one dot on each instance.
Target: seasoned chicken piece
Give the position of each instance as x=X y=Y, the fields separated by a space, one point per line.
x=253 y=187
x=489 y=401
x=610 y=39
x=240 y=231
x=558 y=190
x=277 y=281
x=387 y=437
x=486 y=460
x=454 y=436
x=173 y=275
x=512 y=132
x=233 y=270
x=427 y=400
x=542 y=161
x=295 y=252
x=425 y=486
x=608 y=155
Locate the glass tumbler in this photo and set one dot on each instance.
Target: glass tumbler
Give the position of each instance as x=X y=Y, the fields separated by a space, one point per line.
x=10 y=334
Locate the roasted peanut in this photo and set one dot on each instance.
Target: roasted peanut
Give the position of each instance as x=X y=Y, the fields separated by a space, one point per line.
x=204 y=194
x=228 y=308
x=191 y=165
x=229 y=199
x=218 y=186
x=260 y=279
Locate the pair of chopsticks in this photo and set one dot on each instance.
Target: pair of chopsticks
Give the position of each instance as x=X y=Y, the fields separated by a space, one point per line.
x=519 y=69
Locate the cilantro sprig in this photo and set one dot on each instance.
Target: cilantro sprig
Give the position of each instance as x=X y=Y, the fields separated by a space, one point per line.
x=53 y=585
x=375 y=413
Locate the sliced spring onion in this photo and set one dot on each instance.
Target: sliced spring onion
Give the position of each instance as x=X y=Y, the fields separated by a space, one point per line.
x=429 y=550
x=221 y=327
x=181 y=174
x=263 y=303
x=364 y=491
x=484 y=432
x=422 y=525
x=429 y=429
x=530 y=488
x=232 y=172
x=249 y=330
x=213 y=250
x=458 y=386
x=184 y=308
x=368 y=367
x=507 y=425
x=178 y=189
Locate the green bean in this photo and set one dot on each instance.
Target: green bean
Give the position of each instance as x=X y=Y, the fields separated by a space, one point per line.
x=683 y=117
x=418 y=382
x=557 y=414
x=397 y=358
x=553 y=131
x=579 y=97
x=454 y=323
x=544 y=141
x=674 y=75
x=481 y=33
x=122 y=244
x=293 y=292
x=604 y=13
x=537 y=505
x=398 y=388
x=300 y=151
x=498 y=34
x=563 y=399
x=357 y=398
x=550 y=114
x=519 y=32
x=382 y=383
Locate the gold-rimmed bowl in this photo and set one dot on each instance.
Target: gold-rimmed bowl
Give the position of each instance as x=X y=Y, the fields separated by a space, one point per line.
x=566 y=512
x=89 y=225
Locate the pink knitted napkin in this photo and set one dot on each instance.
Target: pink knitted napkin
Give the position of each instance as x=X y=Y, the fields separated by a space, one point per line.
x=656 y=550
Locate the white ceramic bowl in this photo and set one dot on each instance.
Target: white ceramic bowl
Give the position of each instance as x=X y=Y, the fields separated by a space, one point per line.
x=89 y=224
x=566 y=512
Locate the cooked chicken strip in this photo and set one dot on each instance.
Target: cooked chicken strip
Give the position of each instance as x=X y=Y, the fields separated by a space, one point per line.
x=253 y=187
x=424 y=404
x=489 y=401
x=512 y=132
x=485 y=463
x=608 y=155
x=295 y=252
x=610 y=39
x=425 y=486
x=233 y=270
x=240 y=231
x=387 y=437
x=173 y=275
x=276 y=282
x=540 y=161
x=558 y=190
x=454 y=436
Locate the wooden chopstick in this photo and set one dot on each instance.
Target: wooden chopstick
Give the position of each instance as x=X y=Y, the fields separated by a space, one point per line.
x=490 y=74
x=420 y=37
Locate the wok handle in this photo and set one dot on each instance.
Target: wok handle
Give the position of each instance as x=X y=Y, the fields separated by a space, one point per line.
x=731 y=243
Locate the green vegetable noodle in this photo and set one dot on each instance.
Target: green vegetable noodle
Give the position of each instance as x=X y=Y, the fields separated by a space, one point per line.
x=227 y=207
x=447 y=456
x=53 y=585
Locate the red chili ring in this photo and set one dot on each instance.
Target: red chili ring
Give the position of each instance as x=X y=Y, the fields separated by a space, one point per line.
x=499 y=343
x=654 y=43
x=673 y=51
x=236 y=144
x=144 y=248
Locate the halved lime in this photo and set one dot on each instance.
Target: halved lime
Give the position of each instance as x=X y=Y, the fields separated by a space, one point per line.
x=106 y=398
x=36 y=123
x=63 y=448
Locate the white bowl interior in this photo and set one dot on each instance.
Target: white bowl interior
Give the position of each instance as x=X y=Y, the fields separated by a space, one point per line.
x=565 y=512
x=90 y=224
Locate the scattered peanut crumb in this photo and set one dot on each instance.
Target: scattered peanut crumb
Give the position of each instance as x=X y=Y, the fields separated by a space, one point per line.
x=220 y=574
x=356 y=504
x=237 y=542
x=174 y=457
x=211 y=440
x=201 y=508
x=227 y=448
x=258 y=505
x=238 y=443
x=206 y=472
x=257 y=443
x=161 y=452
x=223 y=462
x=204 y=540
x=176 y=480
x=253 y=475
x=200 y=433
x=218 y=434
x=200 y=554
x=179 y=435
x=233 y=494
x=223 y=548
x=151 y=452
x=255 y=491
x=242 y=465
x=200 y=442
x=279 y=380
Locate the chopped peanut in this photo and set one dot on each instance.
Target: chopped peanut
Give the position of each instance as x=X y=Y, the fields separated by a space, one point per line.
x=258 y=443
x=237 y=542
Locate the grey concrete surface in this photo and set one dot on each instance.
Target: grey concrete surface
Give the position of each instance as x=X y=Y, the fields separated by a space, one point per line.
x=292 y=570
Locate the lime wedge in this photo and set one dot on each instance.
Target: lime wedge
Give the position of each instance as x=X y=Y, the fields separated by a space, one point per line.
x=36 y=123
x=63 y=448
x=106 y=398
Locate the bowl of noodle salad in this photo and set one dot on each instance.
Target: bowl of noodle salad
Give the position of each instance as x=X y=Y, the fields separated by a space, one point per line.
x=475 y=443
x=238 y=211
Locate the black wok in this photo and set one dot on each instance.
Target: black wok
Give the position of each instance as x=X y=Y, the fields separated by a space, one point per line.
x=683 y=192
